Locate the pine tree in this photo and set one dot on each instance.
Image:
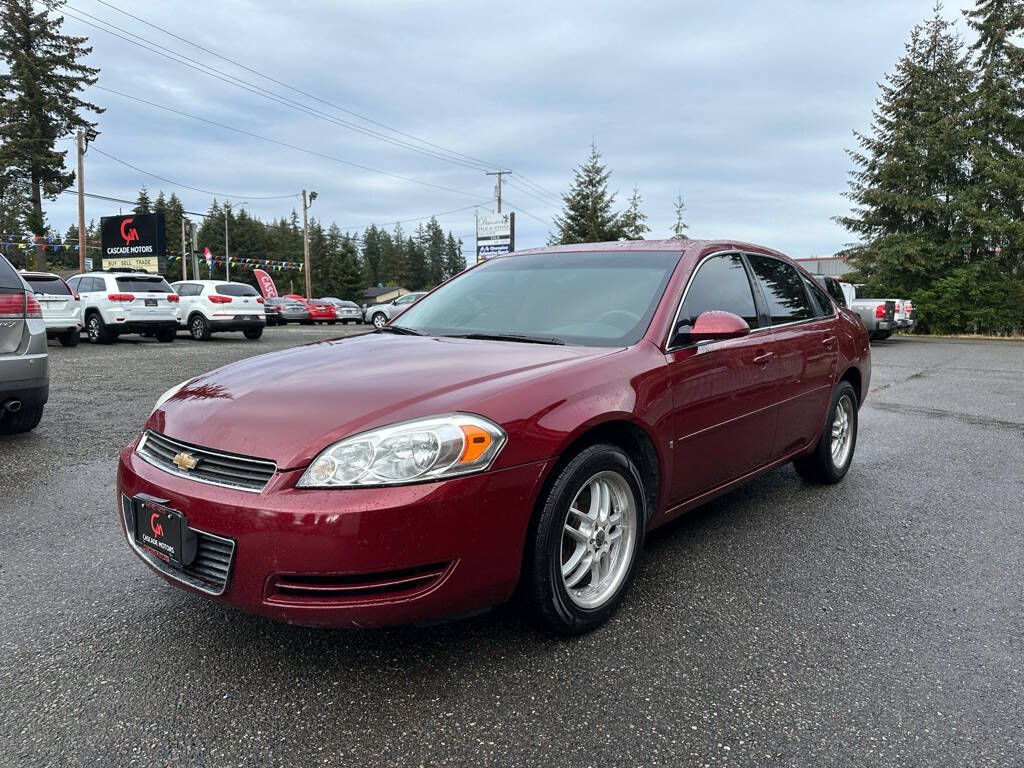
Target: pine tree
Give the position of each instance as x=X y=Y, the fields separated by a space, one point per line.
x=634 y=221
x=910 y=177
x=400 y=257
x=455 y=262
x=587 y=215
x=435 y=253
x=417 y=262
x=371 y=256
x=38 y=102
x=680 y=227
x=994 y=204
x=142 y=203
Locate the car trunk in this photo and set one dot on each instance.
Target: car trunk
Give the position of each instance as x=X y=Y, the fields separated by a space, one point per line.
x=149 y=298
x=54 y=297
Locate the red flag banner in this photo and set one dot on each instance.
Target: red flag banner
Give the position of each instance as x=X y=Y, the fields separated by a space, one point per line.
x=266 y=284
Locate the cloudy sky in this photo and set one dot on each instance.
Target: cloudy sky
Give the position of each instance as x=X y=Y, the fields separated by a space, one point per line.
x=743 y=106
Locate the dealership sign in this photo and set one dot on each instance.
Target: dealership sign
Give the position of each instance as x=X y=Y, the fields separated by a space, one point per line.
x=495 y=234
x=267 y=287
x=134 y=241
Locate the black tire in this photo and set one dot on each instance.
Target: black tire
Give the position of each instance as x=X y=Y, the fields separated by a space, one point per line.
x=543 y=586
x=24 y=420
x=167 y=334
x=332 y=322
x=97 y=330
x=198 y=328
x=819 y=465
x=70 y=338
x=379 y=320
x=253 y=333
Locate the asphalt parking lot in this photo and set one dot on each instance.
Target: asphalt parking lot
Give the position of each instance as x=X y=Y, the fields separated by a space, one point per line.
x=879 y=622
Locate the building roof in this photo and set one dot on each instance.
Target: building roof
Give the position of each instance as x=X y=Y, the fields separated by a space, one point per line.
x=375 y=291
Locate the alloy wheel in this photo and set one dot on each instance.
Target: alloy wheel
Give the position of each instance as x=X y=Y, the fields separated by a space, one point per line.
x=842 y=431
x=598 y=538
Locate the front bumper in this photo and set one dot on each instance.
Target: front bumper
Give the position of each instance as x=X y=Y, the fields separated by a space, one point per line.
x=354 y=557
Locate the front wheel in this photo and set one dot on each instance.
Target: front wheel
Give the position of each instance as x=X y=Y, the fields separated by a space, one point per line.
x=833 y=455
x=379 y=320
x=585 y=541
x=97 y=330
x=253 y=333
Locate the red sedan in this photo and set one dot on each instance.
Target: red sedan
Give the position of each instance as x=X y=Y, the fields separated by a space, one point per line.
x=321 y=312
x=525 y=424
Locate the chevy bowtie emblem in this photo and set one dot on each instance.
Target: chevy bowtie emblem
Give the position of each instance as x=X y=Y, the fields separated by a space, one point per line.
x=185 y=461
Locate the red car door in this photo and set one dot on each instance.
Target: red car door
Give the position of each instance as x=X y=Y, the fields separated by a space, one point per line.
x=723 y=419
x=804 y=347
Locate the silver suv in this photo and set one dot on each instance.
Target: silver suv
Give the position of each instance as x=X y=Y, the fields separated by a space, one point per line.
x=24 y=366
x=381 y=314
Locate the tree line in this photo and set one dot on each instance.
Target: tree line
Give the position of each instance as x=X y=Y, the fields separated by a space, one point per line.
x=938 y=181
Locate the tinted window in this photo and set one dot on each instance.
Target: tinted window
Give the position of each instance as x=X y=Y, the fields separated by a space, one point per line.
x=236 y=289
x=92 y=284
x=720 y=283
x=143 y=284
x=8 y=276
x=53 y=286
x=190 y=289
x=822 y=304
x=73 y=282
x=783 y=290
x=833 y=288
x=601 y=299
x=407 y=299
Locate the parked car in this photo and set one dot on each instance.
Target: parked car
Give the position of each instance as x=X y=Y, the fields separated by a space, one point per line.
x=24 y=365
x=272 y=311
x=843 y=293
x=905 y=318
x=119 y=302
x=498 y=436
x=321 y=312
x=216 y=306
x=380 y=314
x=878 y=316
x=347 y=311
x=62 y=307
x=290 y=310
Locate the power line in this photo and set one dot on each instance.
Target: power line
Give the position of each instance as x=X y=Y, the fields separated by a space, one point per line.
x=421 y=218
x=523 y=210
x=476 y=160
x=286 y=144
x=250 y=87
x=526 y=191
x=186 y=186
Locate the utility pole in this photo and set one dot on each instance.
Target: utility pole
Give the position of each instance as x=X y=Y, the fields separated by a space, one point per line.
x=184 y=259
x=305 y=240
x=499 y=174
x=195 y=249
x=81 y=201
x=227 y=258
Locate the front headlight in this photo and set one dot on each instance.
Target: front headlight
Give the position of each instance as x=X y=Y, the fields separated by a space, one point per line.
x=412 y=451
x=170 y=393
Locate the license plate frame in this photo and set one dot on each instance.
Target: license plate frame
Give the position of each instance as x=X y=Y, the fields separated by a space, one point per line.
x=151 y=302
x=163 y=531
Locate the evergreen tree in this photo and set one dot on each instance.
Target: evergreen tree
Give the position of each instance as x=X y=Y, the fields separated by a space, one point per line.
x=910 y=169
x=400 y=257
x=634 y=221
x=994 y=203
x=680 y=226
x=348 y=276
x=434 y=244
x=39 y=103
x=455 y=262
x=142 y=203
x=371 y=255
x=417 y=263
x=587 y=215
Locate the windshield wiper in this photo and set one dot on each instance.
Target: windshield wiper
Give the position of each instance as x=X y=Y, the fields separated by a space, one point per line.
x=511 y=337
x=399 y=330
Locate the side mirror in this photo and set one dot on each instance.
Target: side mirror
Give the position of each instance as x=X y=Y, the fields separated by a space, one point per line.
x=713 y=325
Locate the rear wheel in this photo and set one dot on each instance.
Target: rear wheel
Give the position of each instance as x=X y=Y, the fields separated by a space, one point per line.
x=70 y=338
x=22 y=421
x=585 y=541
x=253 y=333
x=97 y=330
x=198 y=328
x=833 y=455
x=167 y=333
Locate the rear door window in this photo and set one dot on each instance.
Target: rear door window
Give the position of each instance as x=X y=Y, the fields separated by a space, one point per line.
x=783 y=290
x=136 y=284
x=822 y=305
x=52 y=286
x=189 y=289
x=721 y=283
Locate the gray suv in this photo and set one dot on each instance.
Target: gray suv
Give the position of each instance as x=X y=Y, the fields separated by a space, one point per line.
x=380 y=314
x=24 y=366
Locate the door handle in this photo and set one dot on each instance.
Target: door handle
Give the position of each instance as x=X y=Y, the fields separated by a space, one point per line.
x=829 y=341
x=764 y=359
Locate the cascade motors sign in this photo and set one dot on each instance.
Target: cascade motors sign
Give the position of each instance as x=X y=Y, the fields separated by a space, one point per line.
x=495 y=234
x=134 y=241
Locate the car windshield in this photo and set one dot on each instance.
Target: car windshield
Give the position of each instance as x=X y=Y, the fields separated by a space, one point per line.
x=604 y=299
x=52 y=286
x=143 y=285
x=236 y=289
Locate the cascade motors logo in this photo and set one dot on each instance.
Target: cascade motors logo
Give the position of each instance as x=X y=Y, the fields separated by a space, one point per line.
x=128 y=234
x=156 y=527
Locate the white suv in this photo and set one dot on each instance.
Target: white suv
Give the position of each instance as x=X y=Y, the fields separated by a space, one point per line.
x=114 y=303
x=216 y=305
x=62 y=307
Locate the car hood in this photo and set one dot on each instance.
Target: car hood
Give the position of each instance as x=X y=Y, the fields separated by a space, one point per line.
x=288 y=406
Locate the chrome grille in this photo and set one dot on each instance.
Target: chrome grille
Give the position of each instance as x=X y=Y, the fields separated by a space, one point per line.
x=228 y=470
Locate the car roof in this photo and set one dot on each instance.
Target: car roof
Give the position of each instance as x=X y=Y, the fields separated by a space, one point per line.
x=25 y=273
x=118 y=274
x=212 y=282
x=682 y=247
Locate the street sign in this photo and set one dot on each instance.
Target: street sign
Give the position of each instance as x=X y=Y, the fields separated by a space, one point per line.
x=88 y=263
x=495 y=234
